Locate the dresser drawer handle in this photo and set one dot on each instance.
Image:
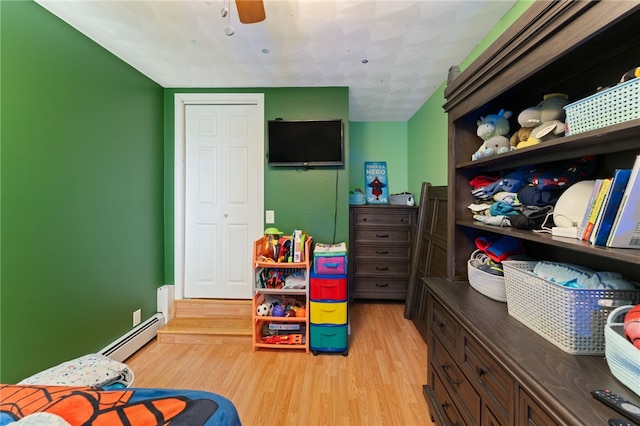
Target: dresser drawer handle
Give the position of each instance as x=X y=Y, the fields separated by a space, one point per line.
x=482 y=371
x=382 y=285
x=445 y=368
x=382 y=251
x=382 y=268
x=382 y=235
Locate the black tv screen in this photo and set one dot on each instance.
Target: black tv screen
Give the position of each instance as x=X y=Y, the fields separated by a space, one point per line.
x=305 y=143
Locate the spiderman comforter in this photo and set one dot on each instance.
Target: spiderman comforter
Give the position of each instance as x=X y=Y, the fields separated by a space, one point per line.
x=67 y=405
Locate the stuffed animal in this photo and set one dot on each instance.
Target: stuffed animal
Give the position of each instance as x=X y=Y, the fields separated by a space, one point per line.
x=552 y=117
x=492 y=130
x=527 y=119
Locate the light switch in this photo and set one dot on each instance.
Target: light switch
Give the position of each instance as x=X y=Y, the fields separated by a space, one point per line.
x=269 y=216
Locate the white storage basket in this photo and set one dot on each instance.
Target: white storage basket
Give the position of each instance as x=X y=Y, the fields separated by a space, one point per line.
x=485 y=283
x=622 y=357
x=617 y=104
x=572 y=319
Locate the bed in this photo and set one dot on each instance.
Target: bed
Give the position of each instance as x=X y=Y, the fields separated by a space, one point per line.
x=28 y=404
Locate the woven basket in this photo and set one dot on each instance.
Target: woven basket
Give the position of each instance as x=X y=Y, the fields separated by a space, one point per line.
x=572 y=319
x=622 y=357
x=617 y=104
x=485 y=283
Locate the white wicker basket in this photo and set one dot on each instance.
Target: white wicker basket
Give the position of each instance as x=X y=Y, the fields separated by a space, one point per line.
x=622 y=357
x=485 y=283
x=572 y=319
x=617 y=104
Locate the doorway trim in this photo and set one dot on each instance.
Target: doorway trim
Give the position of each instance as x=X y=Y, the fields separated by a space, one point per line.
x=181 y=100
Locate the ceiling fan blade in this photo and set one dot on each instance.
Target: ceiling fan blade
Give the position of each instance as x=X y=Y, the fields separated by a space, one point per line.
x=250 y=11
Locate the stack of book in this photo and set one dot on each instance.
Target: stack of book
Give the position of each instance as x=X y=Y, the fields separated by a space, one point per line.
x=612 y=218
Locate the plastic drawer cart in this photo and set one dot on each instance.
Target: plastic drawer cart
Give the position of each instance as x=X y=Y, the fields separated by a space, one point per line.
x=329 y=328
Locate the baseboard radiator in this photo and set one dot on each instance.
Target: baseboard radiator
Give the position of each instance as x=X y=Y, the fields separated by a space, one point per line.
x=139 y=336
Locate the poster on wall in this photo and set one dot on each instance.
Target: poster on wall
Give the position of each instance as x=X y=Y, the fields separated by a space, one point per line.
x=375 y=181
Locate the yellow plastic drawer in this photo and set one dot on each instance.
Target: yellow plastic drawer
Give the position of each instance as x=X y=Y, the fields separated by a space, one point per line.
x=328 y=312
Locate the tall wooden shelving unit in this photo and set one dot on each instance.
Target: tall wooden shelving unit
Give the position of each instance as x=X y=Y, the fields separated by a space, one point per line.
x=569 y=47
x=259 y=298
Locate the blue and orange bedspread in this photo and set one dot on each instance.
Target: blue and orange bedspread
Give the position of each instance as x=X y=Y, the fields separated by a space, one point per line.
x=133 y=406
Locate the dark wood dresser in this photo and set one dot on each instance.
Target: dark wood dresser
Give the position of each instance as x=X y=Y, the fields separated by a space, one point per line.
x=380 y=239
x=487 y=368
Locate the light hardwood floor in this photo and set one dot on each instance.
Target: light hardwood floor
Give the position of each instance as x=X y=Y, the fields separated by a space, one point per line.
x=378 y=383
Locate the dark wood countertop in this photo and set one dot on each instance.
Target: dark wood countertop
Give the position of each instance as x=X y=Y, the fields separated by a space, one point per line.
x=561 y=380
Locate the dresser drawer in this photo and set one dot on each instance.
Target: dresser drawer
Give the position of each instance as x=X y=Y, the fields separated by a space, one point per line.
x=467 y=399
x=381 y=236
x=386 y=218
x=444 y=403
x=444 y=327
x=499 y=385
x=328 y=337
x=380 y=284
x=328 y=312
x=530 y=412
x=328 y=287
x=395 y=252
x=390 y=268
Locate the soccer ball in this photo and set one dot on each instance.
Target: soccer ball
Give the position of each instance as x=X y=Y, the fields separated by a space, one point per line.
x=263 y=310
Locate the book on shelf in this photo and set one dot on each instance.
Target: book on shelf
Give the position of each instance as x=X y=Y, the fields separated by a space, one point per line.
x=595 y=210
x=585 y=219
x=297 y=240
x=605 y=201
x=625 y=232
x=610 y=208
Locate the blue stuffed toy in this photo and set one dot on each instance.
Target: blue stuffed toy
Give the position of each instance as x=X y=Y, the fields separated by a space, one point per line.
x=493 y=130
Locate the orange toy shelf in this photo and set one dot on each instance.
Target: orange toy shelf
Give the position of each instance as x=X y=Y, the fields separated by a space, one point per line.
x=272 y=281
x=281 y=341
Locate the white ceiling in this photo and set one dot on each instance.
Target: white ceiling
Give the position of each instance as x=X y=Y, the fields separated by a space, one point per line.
x=409 y=45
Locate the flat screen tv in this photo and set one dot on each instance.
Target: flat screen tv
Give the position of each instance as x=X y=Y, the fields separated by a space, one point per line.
x=305 y=143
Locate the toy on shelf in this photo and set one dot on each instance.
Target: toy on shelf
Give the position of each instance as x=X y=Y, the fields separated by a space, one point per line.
x=528 y=120
x=632 y=326
x=270 y=244
x=263 y=310
x=551 y=116
x=492 y=129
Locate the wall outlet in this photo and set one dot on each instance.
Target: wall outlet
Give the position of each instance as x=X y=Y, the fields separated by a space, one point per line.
x=269 y=216
x=137 y=317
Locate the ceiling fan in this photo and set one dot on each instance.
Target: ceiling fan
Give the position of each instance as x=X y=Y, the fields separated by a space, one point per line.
x=250 y=11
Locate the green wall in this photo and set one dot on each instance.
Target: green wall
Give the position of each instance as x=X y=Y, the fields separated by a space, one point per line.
x=304 y=199
x=82 y=193
x=379 y=141
x=427 y=129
